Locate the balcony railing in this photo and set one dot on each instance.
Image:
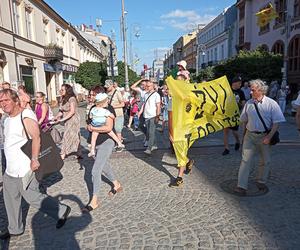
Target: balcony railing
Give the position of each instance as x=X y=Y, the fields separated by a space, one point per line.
x=53 y=53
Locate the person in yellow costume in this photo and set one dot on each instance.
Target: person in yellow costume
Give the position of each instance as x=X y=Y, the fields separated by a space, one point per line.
x=185 y=165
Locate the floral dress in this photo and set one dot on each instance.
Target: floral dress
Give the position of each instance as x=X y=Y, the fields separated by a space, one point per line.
x=71 y=137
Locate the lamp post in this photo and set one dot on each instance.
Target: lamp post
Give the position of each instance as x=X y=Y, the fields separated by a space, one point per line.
x=286 y=42
x=134 y=28
x=202 y=48
x=123 y=24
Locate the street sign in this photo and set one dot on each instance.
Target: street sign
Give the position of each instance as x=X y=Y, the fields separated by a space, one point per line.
x=116 y=71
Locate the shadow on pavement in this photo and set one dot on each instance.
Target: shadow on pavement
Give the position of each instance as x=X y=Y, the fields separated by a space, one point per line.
x=155 y=160
x=48 y=237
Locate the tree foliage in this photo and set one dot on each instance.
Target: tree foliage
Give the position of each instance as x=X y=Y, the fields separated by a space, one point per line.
x=132 y=76
x=90 y=74
x=249 y=64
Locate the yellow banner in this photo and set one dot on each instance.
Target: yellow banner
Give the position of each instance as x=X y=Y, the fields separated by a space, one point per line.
x=266 y=15
x=199 y=110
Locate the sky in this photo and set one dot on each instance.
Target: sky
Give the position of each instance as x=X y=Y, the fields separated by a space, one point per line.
x=152 y=26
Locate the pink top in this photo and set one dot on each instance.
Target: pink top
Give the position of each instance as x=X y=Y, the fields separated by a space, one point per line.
x=38 y=112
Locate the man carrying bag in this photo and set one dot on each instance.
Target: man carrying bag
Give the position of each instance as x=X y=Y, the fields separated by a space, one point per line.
x=19 y=168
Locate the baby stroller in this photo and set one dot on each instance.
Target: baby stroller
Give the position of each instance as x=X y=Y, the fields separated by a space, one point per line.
x=55 y=134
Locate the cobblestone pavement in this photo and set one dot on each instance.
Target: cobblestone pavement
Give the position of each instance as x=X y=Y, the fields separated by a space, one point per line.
x=150 y=215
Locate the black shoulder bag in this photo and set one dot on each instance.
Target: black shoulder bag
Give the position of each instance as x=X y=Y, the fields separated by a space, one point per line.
x=110 y=101
x=49 y=157
x=275 y=138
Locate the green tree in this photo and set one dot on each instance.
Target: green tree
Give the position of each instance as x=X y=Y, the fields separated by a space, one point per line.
x=132 y=76
x=253 y=64
x=90 y=74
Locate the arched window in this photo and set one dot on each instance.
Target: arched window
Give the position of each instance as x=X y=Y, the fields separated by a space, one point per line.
x=278 y=47
x=294 y=54
x=265 y=47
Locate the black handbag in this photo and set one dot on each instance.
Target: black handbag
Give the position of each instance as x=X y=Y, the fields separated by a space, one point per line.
x=49 y=157
x=275 y=138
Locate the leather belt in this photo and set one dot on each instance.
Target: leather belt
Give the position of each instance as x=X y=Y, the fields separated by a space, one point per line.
x=258 y=132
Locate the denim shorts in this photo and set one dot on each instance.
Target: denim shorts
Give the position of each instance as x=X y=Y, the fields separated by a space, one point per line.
x=119 y=122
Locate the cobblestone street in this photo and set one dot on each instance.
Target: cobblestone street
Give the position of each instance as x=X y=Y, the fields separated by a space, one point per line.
x=150 y=215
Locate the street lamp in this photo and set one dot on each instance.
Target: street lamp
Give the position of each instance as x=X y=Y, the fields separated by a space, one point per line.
x=134 y=28
x=202 y=48
x=123 y=24
x=286 y=41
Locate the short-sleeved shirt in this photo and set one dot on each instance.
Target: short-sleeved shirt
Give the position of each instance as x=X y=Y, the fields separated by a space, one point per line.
x=117 y=98
x=268 y=109
x=150 y=105
x=18 y=164
x=99 y=116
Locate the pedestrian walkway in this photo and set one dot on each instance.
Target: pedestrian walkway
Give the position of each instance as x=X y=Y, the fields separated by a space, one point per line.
x=150 y=215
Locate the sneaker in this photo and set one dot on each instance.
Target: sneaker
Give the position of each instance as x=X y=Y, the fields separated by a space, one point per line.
x=237 y=146
x=188 y=167
x=154 y=148
x=225 y=152
x=177 y=182
x=146 y=144
x=147 y=151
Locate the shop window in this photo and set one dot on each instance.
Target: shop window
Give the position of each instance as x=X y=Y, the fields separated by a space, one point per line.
x=294 y=54
x=281 y=11
x=27 y=75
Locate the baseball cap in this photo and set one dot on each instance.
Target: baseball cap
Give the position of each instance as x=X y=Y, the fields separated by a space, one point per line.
x=100 y=97
x=108 y=83
x=236 y=79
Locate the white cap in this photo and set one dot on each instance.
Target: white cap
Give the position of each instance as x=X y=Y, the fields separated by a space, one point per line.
x=100 y=97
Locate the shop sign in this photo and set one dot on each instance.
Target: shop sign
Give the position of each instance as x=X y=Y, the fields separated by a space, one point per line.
x=52 y=67
x=69 y=68
x=49 y=67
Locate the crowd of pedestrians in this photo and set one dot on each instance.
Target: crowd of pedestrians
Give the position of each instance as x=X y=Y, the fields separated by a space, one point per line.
x=109 y=110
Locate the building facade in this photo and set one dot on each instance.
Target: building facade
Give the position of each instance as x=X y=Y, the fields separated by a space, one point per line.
x=177 y=52
x=217 y=40
x=39 y=48
x=158 y=69
x=274 y=36
x=190 y=54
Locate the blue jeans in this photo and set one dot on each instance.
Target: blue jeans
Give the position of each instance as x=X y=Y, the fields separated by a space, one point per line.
x=136 y=121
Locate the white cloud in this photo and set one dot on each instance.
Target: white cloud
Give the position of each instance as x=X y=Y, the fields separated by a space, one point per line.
x=185 y=19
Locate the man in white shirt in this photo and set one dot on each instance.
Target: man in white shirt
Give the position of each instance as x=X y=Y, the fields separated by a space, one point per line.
x=256 y=137
x=19 y=166
x=140 y=87
x=151 y=114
